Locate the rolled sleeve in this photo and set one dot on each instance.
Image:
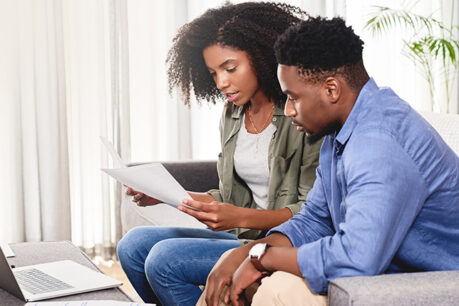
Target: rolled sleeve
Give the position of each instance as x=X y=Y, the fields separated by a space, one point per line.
x=215 y=193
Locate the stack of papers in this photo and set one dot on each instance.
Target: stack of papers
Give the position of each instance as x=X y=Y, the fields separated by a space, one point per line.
x=151 y=179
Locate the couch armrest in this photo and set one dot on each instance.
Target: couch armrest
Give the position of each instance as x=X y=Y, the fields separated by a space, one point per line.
x=424 y=288
x=198 y=176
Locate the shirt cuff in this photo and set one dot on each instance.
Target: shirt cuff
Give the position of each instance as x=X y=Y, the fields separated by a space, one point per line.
x=310 y=262
x=309 y=258
x=286 y=230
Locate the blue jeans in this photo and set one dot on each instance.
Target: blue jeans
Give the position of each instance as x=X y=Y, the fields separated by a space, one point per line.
x=166 y=265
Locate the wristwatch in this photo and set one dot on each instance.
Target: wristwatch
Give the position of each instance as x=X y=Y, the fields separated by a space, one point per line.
x=255 y=254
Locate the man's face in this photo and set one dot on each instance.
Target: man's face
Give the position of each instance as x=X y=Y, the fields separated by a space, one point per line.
x=307 y=103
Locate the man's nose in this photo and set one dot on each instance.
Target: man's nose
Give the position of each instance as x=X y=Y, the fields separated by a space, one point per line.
x=289 y=110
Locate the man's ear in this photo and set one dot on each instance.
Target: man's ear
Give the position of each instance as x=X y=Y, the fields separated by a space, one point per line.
x=332 y=87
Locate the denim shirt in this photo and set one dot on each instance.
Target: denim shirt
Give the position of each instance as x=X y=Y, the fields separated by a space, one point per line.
x=292 y=164
x=386 y=197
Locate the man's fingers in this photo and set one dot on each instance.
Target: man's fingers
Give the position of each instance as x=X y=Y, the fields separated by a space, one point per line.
x=209 y=288
x=234 y=295
x=226 y=298
x=216 y=293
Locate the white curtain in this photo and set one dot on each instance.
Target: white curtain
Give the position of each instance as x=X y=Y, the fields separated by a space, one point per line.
x=64 y=83
x=72 y=71
x=34 y=191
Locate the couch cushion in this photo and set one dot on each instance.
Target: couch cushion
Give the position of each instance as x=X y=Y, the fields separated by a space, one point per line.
x=426 y=288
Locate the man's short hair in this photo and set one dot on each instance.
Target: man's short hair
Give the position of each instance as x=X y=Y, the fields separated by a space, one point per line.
x=322 y=47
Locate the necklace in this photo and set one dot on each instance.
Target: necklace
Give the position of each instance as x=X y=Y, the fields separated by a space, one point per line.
x=262 y=127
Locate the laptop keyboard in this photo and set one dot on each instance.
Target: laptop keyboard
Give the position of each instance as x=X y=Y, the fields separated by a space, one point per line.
x=36 y=282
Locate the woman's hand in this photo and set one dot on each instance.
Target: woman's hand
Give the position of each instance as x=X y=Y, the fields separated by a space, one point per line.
x=216 y=215
x=141 y=199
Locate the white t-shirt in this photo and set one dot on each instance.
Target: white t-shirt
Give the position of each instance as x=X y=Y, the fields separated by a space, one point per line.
x=251 y=163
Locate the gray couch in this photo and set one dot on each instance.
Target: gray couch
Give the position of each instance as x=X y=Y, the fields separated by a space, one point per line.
x=427 y=288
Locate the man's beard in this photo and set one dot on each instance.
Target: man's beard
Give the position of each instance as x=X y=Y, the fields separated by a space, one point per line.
x=329 y=129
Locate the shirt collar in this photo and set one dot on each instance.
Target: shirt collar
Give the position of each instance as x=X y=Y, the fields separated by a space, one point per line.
x=366 y=92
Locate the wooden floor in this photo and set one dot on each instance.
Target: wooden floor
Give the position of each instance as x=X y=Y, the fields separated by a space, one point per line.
x=113 y=269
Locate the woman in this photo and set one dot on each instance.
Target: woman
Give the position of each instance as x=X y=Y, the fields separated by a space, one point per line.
x=265 y=169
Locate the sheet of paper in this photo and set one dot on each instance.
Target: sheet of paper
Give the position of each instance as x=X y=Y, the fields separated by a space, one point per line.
x=7 y=250
x=153 y=180
x=87 y=303
x=116 y=158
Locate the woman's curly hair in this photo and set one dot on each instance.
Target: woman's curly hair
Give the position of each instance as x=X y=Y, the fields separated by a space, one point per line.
x=252 y=27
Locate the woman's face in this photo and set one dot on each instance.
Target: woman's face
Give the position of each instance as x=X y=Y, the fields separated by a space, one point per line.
x=232 y=72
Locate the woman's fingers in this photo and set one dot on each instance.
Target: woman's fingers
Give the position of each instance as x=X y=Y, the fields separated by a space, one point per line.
x=197 y=205
x=200 y=215
x=137 y=197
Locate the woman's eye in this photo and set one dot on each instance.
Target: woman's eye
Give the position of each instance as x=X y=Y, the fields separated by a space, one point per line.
x=212 y=74
x=231 y=69
x=291 y=99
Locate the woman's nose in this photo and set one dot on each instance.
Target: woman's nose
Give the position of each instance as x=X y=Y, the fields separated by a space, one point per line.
x=221 y=81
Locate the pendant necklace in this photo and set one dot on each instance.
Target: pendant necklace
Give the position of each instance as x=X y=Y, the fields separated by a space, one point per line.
x=262 y=128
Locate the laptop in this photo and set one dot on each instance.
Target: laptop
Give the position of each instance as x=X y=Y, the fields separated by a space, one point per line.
x=50 y=280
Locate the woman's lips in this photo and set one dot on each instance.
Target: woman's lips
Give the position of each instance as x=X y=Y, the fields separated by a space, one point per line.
x=231 y=97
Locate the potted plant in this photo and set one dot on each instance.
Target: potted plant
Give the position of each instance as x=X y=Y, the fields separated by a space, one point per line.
x=433 y=43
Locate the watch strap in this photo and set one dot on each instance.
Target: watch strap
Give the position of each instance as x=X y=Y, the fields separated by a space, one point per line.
x=256 y=261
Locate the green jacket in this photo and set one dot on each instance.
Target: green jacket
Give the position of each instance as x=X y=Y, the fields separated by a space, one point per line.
x=292 y=164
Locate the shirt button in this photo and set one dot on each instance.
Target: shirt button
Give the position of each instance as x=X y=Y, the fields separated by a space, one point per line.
x=274 y=119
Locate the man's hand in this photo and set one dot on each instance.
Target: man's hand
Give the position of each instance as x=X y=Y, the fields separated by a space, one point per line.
x=141 y=199
x=216 y=215
x=222 y=275
x=244 y=276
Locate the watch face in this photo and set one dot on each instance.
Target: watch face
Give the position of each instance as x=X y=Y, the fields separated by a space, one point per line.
x=257 y=250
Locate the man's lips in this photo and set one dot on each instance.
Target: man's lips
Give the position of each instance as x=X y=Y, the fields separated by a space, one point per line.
x=299 y=127
x=232 y=96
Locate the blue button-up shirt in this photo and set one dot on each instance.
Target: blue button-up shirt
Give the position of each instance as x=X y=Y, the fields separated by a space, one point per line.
x=386 y=197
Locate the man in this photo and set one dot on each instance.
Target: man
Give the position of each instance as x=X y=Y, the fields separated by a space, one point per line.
x=386 y=197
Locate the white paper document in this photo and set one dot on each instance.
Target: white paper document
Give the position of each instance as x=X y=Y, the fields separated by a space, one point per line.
x=7 y=250
x=116 y=158
x=88 y=303
x=153 y=180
